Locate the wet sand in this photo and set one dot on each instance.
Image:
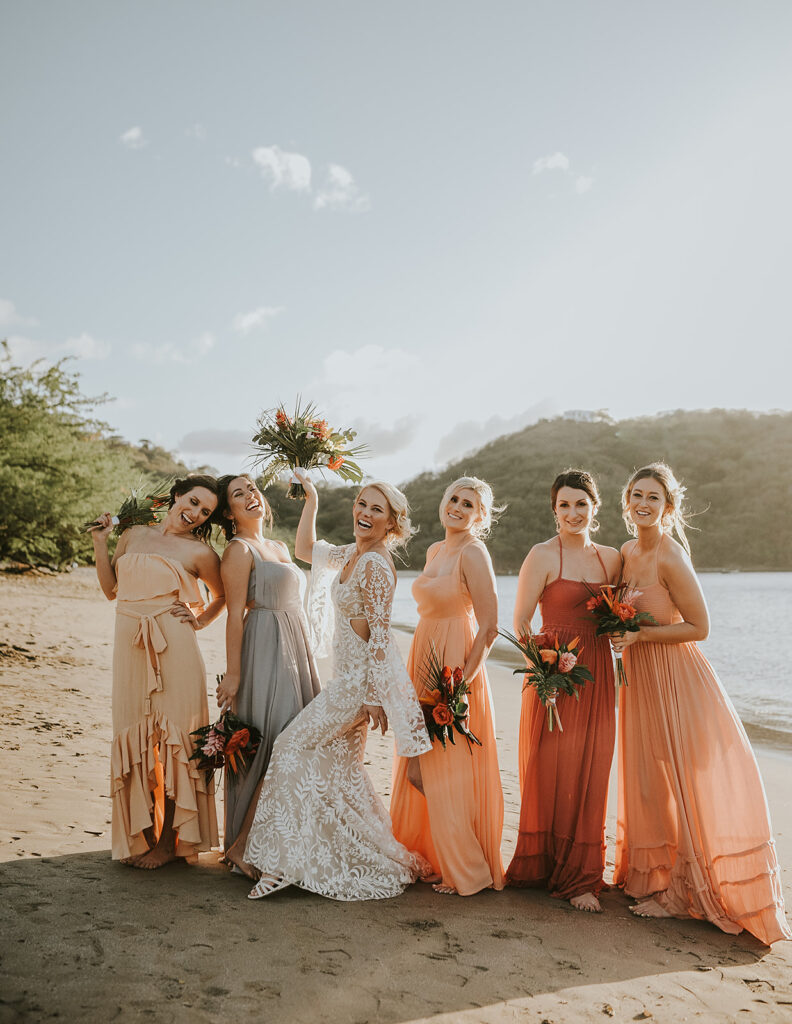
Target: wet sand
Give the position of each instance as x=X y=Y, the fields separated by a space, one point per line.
x=86 y=939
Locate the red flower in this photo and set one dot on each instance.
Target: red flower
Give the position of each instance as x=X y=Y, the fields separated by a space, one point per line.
x=624 y=611
x=594 y=602
x=447 y=673
x=458 y=676
x=336 y=462
x=443 y=715
x=237 y=741
x=282 y=419
x=548 y=656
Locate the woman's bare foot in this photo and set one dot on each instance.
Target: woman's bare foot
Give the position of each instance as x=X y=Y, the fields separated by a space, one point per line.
x=649 y=908
x=587 y=901
x=445 y=890
x=234 y=856
x=156 y=858
x=430 y=879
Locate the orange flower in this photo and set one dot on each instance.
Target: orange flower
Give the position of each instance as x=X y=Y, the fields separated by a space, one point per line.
x=431 y=698
x=548 y=656
x=594 y=602
x=282 y=419
x=320 y=429
x=336 y=462
x=624 y=611
x=237 y=741
x=447 y=673
x=458 y=676
x=443 y=715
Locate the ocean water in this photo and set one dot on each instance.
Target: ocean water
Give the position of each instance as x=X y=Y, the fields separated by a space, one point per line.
x=750 y=615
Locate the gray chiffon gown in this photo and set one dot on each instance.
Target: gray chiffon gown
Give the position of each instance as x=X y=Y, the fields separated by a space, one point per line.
x=278 y=676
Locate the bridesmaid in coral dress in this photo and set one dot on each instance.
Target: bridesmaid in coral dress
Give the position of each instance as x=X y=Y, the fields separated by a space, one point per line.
x=694 y=836
x=447 y=804
x=163 y=806
x=564 y=775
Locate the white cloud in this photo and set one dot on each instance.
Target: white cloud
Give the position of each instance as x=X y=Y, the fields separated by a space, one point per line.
x=341 y=192
x=85 y=346
x=384 y=440
x=554 y=162
x=223 y=442
x=197 y=132
x=291 y=171
x=9 y=317
x=256 y=320
x=470 y=435
x=133 y=138
x=583 y=184
x=170 y=353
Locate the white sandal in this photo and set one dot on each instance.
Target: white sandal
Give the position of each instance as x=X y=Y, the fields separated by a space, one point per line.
x=266 y=886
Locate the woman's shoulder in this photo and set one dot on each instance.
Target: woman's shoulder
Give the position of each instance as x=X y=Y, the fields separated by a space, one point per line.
x=543 y=552
x=672 y=556
x=609 y=555
x=475 y=553
x=376 y=559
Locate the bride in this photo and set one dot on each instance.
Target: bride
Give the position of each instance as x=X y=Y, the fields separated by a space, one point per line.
x=319 y=823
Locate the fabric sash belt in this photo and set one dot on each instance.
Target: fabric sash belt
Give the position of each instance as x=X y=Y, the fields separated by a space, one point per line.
x=150 y=637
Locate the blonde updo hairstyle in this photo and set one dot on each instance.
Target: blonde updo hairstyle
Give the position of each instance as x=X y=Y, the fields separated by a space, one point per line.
x=399 y=507
x=487 y=507
x=675 y=515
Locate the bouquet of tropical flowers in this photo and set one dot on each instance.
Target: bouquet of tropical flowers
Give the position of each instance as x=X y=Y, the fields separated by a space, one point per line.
x=302 y=439
x=553 y=667
x=228 y=743
x=612 y=605
x=140 y=508
x=444 y=701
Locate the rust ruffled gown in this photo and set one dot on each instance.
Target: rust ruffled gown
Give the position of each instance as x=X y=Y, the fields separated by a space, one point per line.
x=457 y=825
x=159 y=697
x=564 y=775
x=693 y=818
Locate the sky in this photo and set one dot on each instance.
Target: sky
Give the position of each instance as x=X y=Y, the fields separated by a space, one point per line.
x=439 y=220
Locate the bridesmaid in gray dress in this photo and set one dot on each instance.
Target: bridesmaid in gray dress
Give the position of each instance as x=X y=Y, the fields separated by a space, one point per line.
x=270 y=672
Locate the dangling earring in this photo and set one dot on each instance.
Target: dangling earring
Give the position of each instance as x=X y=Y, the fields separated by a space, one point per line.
x=595 y=525
x=233 y=525
x=557 y=524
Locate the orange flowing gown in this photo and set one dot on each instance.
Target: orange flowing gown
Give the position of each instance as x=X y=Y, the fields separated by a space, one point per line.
x=457 y=823
x=564 y=775
x=159 y=697
x=693 y=818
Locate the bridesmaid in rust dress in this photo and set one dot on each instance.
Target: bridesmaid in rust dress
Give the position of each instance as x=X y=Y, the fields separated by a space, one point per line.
x=694 y=836
x=564 y=774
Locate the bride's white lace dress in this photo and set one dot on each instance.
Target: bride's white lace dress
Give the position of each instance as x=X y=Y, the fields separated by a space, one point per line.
x=319 y=823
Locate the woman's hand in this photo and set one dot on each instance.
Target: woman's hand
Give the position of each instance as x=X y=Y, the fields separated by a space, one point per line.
x=376 y=717
x=621 y=640
x=103 y=529
x=184 y=613
x=227 y=690
x=302 y=476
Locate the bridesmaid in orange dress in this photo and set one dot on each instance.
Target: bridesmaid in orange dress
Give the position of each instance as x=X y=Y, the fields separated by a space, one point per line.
x=447 y=804
x=694 y=836
x=564 y=775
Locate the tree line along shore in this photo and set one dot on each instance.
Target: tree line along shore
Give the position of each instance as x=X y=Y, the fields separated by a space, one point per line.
x=60 y=464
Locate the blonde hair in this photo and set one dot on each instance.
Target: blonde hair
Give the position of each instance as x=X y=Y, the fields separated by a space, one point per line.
x=399 y=509
x=489 y=510
x=675 y=515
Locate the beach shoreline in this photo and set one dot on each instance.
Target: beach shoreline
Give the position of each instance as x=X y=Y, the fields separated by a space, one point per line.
x=86 y=939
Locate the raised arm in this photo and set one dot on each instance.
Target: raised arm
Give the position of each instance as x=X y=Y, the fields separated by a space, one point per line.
x=235 y=573
x=480 y=581
x=306 y=528
x=105 y=568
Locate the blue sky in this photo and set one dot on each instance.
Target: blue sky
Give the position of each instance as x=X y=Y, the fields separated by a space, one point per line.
x=437 y=220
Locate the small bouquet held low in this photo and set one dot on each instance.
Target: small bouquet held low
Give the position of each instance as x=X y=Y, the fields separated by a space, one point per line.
x=302 y=439
x=553 y=667
x=613 y=606
x=140 y=508
x=444 y=702
x=228 y=743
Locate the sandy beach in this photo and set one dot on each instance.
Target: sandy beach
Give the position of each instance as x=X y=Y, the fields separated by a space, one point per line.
x=86 y=939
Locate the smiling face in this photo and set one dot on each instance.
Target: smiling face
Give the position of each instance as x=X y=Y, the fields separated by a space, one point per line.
x=245 y=500
x=373 y=519
x=191 y=509
x=647 y=502
x=574 y=510
x=462 y=511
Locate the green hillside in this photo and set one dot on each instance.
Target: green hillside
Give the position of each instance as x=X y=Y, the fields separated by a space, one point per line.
x=736 y=465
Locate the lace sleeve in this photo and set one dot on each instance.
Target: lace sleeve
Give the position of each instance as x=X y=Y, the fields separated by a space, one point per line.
x=326 y=561
x=377 y=588
x=387 y=681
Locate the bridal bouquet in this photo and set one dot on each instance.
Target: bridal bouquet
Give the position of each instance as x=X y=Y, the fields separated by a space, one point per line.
x=444 y=701
x=553 y=667
x=304 y=440
x=228 y=743
x=612 y=605
x=140 y=509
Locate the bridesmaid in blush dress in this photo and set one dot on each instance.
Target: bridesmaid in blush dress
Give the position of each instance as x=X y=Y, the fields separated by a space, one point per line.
x=270 y=672
x=448 y=804
x=564 y=775
x=694 y=836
